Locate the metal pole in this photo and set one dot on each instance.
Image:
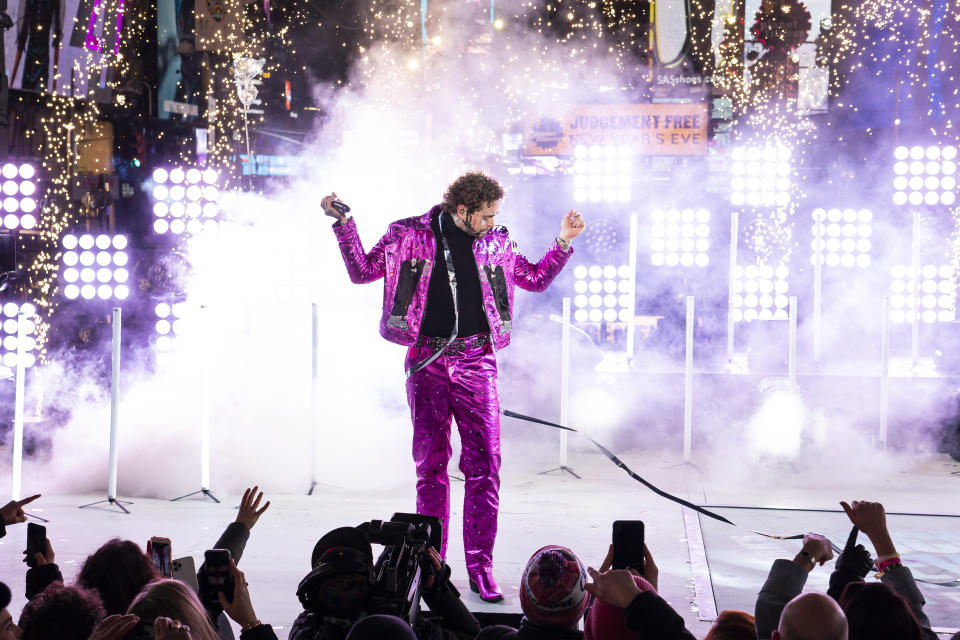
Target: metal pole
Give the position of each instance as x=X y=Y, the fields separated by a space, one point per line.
x=792 y=359
x=632 y=262
x=114 y=405
x=688 y=384
x=884 y=370
x=564 y=380
x=17 y=474
x=915 y=333
x=204 y=404
x=314 y=388
x=734 y=233
x=817 y=302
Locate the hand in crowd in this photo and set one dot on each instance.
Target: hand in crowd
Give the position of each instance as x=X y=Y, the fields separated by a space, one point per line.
x=240 y=609
x=167 y=629
x=819 y=548
x=249 y=514
x=437 y=563
x=871 y=518
x=12 y=512
x=115 y=627
x=615 y=587
x=651 y=573
x=47 y=557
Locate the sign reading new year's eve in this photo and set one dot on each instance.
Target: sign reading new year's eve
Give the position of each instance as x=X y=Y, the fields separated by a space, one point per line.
x=649 y=129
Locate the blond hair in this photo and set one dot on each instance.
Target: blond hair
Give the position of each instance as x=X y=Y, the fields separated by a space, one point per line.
x=175 y=600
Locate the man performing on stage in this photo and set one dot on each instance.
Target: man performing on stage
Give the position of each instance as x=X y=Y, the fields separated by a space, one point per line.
x=448 y=296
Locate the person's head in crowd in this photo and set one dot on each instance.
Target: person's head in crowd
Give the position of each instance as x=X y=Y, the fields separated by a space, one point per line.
x=8 y=630
x=876 y=612
x=342 y=563
x=606 y=621
x=175 y=600
x=118 y=570
x=552 y=590
x=64 y=613
x=733 y=625
x=811 y=616
x=381 y=627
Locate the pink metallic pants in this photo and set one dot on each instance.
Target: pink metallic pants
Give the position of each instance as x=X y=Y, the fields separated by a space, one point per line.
x=461 y=386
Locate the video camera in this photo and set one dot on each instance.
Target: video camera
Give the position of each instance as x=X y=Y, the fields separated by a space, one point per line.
x=346 y=584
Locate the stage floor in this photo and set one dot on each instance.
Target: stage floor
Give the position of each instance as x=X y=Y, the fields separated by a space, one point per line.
x=705 y=566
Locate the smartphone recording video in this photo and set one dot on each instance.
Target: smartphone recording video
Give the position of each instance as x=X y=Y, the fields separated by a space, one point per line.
x=628 y=545
x=36 y=542
x=162 y=555
x=217 y=577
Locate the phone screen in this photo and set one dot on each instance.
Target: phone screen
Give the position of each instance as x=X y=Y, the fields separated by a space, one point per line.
x=161 y=554
x=36 y=542
x=217 y=576
x=628 y=545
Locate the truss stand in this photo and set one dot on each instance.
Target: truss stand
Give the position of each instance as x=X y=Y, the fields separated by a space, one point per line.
x=114 y=420
x=204 y=490
x=564 y=390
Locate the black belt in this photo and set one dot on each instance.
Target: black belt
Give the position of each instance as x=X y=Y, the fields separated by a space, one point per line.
x=458 y=345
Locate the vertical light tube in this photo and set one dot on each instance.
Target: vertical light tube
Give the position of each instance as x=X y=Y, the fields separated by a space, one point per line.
x=884 y=370
x=734 y=237
x=632 y=262
x=564 y=379
x=688 y=384
x=204 y=402
x=16 y=478
x=314 y=388
x=817 y=303
x=792 y=357
x=915 y=333
x=114 y=405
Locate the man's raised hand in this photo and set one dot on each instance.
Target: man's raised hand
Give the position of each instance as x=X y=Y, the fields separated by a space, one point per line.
x=572 y=225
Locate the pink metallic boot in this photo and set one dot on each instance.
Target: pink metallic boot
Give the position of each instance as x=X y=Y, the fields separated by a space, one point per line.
x=482 y=582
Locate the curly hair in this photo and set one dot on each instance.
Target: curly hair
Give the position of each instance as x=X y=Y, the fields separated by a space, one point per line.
x=118 y=570
x=175 y=600
x=65 y=613
x=473 y=190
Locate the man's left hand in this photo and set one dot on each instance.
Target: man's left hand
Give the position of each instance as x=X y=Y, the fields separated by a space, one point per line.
x=571 y=226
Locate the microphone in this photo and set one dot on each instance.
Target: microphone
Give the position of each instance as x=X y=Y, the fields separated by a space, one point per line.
x=340 y=207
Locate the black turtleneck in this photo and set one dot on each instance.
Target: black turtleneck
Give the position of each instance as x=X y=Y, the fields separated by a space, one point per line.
x=438 y=319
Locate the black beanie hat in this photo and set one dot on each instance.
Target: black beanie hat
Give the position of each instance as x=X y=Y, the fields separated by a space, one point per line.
x=4 y=596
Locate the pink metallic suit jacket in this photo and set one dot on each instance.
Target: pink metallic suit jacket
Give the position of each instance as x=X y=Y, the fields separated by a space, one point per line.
x=404 y=258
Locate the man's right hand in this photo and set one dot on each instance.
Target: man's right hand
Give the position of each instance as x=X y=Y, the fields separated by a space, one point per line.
x=327 y=205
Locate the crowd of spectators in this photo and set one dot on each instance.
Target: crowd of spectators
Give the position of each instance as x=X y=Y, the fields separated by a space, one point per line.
x=119 y=594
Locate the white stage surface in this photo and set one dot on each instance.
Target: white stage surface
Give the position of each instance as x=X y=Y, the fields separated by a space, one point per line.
x=705 y=566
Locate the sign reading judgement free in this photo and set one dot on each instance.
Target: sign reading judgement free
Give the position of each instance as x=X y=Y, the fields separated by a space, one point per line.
x=648 y=129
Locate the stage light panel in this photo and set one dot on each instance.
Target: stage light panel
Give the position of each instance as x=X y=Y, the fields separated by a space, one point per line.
x=601 y=173
x=680 y=237
x=9 y=328
x=171 y=320
x=760 y=176
x=760 y=292
x=180 y=193
x=604 y=293
x=842 y=237
x=925 y=175
x=18 y=188
x=935 y=301
x=94 y=266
